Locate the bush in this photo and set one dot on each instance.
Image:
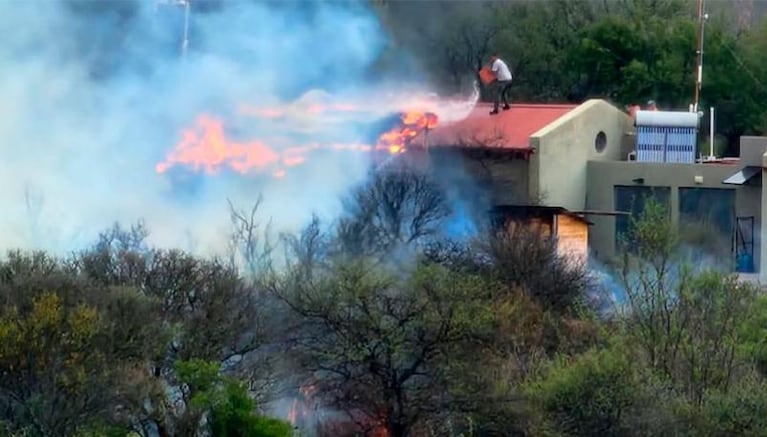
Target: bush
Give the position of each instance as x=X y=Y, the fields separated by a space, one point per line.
x=753 y=335
x=741 y=411
x=230 y=410
x=587 y=395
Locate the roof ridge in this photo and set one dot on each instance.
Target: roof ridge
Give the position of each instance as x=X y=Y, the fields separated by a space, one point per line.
x=534 y=105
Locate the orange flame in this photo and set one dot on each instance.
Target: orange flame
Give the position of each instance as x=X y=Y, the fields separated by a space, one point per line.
x=293 y=413
x=208 y=148
x=302 y=407
x=205 y=147
x=413 y=123
x=305 y=406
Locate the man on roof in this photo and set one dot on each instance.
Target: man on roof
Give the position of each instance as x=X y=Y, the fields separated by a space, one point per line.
x=503 y=82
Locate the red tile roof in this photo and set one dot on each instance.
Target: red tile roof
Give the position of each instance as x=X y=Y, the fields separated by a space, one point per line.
x=509 y=129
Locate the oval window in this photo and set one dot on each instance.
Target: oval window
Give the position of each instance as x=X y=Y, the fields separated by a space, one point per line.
x=600 y=142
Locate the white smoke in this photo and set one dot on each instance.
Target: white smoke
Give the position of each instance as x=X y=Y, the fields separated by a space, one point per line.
x=93 y=95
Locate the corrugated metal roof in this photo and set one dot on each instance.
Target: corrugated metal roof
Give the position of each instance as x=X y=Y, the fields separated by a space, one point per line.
x=509 y=129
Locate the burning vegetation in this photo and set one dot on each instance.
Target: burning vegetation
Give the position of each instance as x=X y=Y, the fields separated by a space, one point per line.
x=398 y=138
x=307 y=414
x=206 y=147
x=491 y=338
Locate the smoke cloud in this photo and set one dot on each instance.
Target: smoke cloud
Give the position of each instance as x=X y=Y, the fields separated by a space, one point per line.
x=96 y=94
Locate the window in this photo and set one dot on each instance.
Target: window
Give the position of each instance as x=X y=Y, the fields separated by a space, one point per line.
x=600 y=142
x=632 y=199
x=707 y=219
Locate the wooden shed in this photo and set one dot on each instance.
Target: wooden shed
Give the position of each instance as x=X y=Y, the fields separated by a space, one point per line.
x=571 y=230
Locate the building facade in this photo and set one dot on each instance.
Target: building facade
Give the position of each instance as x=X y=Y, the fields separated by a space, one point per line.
x=598 y=162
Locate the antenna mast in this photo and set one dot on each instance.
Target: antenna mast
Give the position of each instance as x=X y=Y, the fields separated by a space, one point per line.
x=185 y=32
x=699 y=76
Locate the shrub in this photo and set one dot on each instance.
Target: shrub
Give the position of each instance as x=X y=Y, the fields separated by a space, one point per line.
x=587 y=395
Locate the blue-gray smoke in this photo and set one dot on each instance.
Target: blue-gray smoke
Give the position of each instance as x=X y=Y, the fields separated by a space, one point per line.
x=93 y=94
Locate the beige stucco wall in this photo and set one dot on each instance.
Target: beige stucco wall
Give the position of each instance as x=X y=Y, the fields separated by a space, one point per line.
x=563 y=148
x=752 y=149
x=604 y=176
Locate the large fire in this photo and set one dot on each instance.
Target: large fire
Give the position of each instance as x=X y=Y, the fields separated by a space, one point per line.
x=206 y=146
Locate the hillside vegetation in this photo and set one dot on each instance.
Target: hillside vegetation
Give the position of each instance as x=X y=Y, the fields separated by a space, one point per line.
x=378 y=324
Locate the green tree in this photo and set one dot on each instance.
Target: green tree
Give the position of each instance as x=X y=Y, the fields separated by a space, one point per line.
x=632 y=59
x=373 y=339
x=74 y=354
x=734 y=80
x=224 y=404
x=211 y=312
x=739 y=411
x=589 y=394
x=753 y=335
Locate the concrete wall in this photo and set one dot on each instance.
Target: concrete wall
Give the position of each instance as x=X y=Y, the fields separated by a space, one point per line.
x=604 y=176
x=752 y=149
x=563 y=149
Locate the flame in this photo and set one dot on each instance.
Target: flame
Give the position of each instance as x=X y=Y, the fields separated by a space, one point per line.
x=304 y=412
x=413 y=123
x=293 y=413
x=206 y=147
x=302 y=406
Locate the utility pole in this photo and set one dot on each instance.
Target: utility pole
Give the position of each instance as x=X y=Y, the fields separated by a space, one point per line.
x=702 y=17
x=175 y=4
x=185 y=43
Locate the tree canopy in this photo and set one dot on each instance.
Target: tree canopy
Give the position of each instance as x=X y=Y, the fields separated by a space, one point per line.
x=624 y=51
x=393 y=335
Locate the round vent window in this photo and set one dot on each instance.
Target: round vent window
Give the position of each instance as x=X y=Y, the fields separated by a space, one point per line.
x=600 y=142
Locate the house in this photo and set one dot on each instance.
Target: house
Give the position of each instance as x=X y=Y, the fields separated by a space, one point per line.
x=596 y=159
x=531 y=162
x=532 y=154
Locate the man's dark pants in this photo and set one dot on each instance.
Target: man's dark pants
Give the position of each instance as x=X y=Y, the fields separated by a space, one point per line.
x=502 y=89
